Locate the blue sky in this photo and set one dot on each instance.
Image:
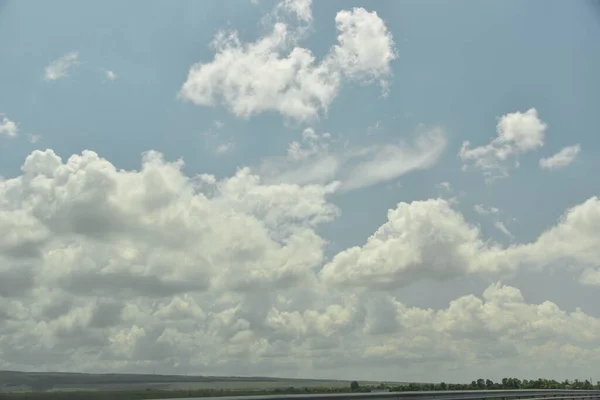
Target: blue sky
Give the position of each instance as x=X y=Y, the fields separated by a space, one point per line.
x=458 y=68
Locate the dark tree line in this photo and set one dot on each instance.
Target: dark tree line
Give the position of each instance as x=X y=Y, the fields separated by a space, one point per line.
x=505 y=384
x=479 y=384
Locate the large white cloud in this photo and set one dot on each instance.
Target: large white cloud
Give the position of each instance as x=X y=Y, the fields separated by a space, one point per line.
x=275 y=74
x=575 y=237
x=423 y=239
x=428 y=239
x=106 y=269
x=127 y=228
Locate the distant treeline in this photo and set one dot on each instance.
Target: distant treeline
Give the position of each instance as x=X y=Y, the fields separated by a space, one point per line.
x=504 y=384
x=480 y=384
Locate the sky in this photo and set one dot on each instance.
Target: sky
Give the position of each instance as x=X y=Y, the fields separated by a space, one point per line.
x=388 y=190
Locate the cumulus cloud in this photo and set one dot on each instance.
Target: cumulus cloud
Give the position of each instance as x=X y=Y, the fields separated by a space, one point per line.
x=298 y=86
x=430 y=240
x=424 y=239
x=60 y=67
x=561 y=159
x=516 y=133
x=320 y=158
x=574 y=237
x=7 y=127
x=110 y=269
x=366 y=47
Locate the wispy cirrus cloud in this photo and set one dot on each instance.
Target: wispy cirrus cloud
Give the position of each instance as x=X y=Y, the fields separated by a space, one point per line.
x=321 y=158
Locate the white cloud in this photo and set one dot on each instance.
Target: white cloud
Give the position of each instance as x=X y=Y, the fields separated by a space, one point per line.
x=110 y=75
x=318 y=158
x=301 y=8
x=561 y=159
x=366 y=47
x=389 y=161
x=34 y=138
x=444 y=185
x=216 y=141
x=224 y=147
x=517 y=133
x=590 y=276
x=430 y=240
x=502 y=228
x=373 y=129
x=127 y=202
x=420 y=240
x=8 y=127
x=107 y=269
x=60 y=67
x=498 y=224
x=298 y=86
x=481 y=209
x=575 y=237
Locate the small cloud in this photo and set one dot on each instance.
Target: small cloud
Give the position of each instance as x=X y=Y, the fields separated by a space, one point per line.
x=111 y=75
x=516 y=133
x=8 y=127
x=453 y=200
x=60 y=67
x=590 y=276
x=482 y=210
x=34 y=138
x=208 y=179
x=395 y=185
x=373 y=129
x=224 y=147
x=215 y=140
x=300 y=8
x=561 y=159
x=502 y=228
x=444 y=185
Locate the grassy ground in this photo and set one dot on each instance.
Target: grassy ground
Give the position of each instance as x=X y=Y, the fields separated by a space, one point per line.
x=218 y=385
x=13 y=382
x=152 y=394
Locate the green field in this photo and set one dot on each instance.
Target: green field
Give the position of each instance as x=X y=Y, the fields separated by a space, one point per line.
x=11 y=382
